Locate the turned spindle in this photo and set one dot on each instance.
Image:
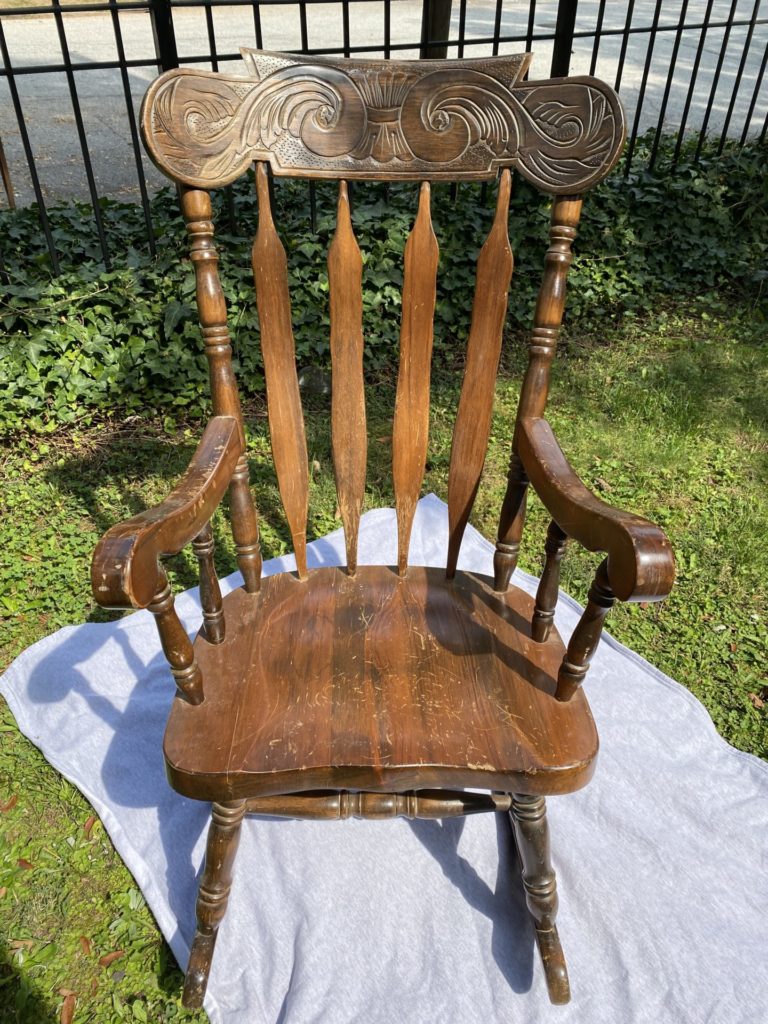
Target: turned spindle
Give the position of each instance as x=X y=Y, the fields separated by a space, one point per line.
x=586 y=635
x=546 y=595
x=176 y=645
x=210 y=592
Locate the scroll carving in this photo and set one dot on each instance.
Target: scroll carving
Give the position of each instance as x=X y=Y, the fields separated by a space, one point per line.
x=382 y=119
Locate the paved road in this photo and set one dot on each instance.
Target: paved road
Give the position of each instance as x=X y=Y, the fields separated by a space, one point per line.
x=48 y=109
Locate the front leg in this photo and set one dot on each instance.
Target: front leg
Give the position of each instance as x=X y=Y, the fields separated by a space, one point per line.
x=223 y=837
x=529 y=820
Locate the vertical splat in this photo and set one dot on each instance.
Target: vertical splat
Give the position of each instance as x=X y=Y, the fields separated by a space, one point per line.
x=348 y=427
x=473 y=419
x=411 y=423
x=286 y=420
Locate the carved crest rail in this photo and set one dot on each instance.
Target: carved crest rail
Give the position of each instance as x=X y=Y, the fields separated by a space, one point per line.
x=317 y=117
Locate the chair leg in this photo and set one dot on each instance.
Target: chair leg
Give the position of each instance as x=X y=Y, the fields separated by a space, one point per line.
x=529 y=820
x=212 y=897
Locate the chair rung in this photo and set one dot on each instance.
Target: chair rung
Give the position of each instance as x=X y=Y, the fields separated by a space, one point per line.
x=334 y=804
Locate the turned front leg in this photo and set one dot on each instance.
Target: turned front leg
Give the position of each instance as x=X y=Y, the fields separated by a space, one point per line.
x=529 y=820
x=212 y=897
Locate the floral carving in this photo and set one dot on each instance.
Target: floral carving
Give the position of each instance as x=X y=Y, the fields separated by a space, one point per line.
x=355 y=119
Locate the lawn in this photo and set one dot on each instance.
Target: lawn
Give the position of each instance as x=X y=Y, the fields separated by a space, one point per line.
x=665 y=415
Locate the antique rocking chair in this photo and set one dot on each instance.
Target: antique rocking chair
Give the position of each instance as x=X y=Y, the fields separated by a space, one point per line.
x=375 y=691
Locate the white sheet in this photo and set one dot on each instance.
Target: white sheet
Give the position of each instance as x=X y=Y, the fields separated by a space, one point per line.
x=661 y=860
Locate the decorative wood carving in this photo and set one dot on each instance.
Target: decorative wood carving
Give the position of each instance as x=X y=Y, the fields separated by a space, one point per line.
x=348 y=427
x=473 y=418
x=410 y=428
x=327 y=117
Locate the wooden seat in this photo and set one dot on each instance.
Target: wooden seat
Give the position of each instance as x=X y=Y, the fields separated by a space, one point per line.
x=377 y=683
x=380 y=691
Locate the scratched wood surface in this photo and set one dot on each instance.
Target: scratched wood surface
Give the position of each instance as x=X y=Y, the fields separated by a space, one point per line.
x=410 y=428
x=348 y=426
x=473 y=419
x=286 y=419
x=379 y=682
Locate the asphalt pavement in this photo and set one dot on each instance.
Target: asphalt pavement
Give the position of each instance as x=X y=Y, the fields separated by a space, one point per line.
x=51 y=123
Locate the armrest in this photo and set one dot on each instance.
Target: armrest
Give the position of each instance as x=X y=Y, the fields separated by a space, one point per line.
x=124 y=571
x=641 y=566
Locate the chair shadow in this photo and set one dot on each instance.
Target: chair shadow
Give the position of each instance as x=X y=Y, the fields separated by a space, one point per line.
x=513 y=940
x=19 y=996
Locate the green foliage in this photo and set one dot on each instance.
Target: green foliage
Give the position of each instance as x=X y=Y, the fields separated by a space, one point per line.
x=92 y=342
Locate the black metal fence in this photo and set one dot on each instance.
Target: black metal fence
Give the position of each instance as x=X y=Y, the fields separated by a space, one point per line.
x=78 y=70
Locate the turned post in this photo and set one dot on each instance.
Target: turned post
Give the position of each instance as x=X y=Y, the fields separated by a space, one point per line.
x=586 y=635
x=546 y=595
x=212 y=896
x=176 y=645
x=533 y=396
x=198 y=214
x=210 y=592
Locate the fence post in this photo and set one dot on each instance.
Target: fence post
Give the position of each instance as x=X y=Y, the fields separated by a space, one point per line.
x=435 y=24
x=564 y=28
x=164 y=34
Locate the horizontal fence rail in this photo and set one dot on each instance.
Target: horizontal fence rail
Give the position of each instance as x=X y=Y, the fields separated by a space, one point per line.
x=73 y=74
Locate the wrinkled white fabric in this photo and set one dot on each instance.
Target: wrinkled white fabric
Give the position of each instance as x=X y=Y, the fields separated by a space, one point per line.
x=661 y=859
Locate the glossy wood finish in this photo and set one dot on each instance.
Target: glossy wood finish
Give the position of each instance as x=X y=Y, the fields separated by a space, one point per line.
x=124 y=570
x=473 y=419
x=529 y=820
x=210 y=592
x=381 y=683
x=329 y=805
x=212 y=310
x=286 y=419
x=410 y=429
x=329 y=117
x=586 y=636
x=511 y=523
x=176 y=645
x=546 y=595
x=640 y=562
x=348 y=426
x=223 y=838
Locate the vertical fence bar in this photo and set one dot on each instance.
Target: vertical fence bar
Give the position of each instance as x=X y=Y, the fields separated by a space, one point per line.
x=387 y=30
x=345 y=28
x=668 y=86
x=303 y=26
x=692 y=85
x=134 y=132
x=598 y=32
x=163 y=34
x=624 y=44
x=80 y=126
x=643 y=84
x=211 y=37
x=531 y=25
x=739 y=75
x=497 y=27
x=752 y=102
x=435 y=27
x=462 y=27
x=30 y=157
x=564 y=29
x=257 y=26
x=716 y=79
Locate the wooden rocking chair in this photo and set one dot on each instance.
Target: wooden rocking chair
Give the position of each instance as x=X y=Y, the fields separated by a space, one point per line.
x=373 y=691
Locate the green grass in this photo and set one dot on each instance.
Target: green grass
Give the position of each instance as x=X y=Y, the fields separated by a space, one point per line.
x=664 y=415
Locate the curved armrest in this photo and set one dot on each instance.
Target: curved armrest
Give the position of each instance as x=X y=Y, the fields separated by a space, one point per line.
x=641 y=566
x=124 y=571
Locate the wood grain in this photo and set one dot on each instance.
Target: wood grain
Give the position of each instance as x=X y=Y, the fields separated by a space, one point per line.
x=323 y=117
x=380 y=683
x=286 y=420
x=348 y=426
x=124 y=569
x=210 y=591
x=329 y=805
x=547 y=592
x=586 y=635
x=410 y=429
x=473 y=419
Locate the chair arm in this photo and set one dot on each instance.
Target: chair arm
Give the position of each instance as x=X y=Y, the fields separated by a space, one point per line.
x=641 y=566
x=125 y=571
